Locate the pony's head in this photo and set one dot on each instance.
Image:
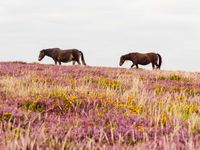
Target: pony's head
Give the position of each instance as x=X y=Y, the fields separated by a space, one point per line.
x=41 y=55
x=122 y=60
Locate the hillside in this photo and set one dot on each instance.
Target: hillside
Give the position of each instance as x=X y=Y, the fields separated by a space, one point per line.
x=62 y=107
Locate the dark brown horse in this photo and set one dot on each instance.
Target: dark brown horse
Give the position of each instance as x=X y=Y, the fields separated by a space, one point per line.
x=142 y=59
x=59 y=55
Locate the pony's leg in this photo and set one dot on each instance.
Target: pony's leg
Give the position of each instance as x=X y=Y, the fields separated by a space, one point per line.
x=153 y=65
x=137 y=66
x=157 y=65
x=55 y=62
x=78 y=61
x=59 y=62
x=74 y=62
x=132 y=65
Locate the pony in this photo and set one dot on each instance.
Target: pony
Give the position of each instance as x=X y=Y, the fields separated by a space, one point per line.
x=142 y=59
x=65 y=56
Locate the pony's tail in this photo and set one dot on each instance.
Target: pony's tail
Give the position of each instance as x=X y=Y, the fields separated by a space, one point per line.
x=160 y=61
x=82 y=58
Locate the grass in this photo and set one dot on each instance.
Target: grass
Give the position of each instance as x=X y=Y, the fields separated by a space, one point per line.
x=75 y=107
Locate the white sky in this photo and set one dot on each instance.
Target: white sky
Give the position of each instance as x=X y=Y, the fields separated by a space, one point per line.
x=104 y=30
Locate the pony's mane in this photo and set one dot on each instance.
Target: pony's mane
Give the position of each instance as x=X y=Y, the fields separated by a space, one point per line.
x=126 y=55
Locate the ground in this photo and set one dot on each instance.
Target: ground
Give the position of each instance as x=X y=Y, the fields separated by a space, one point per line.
x=77 y=107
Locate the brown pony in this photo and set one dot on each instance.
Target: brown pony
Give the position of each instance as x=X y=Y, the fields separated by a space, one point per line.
x=142 y=59
x=59 y=55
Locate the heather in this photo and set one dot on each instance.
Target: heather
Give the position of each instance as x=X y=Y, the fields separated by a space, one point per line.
x=80 y=107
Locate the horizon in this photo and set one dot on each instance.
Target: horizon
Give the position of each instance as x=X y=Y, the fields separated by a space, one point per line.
x=102 y=30
x=141 y=67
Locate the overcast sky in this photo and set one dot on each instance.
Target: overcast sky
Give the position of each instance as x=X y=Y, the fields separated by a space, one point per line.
x=104 y=30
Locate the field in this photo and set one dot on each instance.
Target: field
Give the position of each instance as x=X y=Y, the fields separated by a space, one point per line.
x=76 y=107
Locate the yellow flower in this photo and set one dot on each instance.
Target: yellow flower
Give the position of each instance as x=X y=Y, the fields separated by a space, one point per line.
x=140 y=128
x=72 y=81
x=135 y=109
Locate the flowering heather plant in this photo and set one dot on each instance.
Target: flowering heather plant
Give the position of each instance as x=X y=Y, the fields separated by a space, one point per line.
x=74 y=107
